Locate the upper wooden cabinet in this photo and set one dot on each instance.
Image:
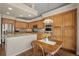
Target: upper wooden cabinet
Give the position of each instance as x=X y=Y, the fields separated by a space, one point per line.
x=69 y=18
x=19 y=24
x=27 y=25
x=39 y=24
x=57 y=20
x=8 y=21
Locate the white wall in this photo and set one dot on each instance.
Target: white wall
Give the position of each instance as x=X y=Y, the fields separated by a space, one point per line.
x=0 y=29
x=77 y=29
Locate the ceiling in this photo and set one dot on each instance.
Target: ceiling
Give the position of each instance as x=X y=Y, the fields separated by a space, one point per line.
x=44 y=7
x=17 y=10
x=34 y=10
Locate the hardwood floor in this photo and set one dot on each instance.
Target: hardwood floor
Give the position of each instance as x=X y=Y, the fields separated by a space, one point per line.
x=64 y=52
x=2 y=50
x=61 y=52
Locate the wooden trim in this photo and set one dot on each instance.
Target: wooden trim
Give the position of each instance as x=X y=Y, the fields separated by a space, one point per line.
x=76 y=28
x=37 y=21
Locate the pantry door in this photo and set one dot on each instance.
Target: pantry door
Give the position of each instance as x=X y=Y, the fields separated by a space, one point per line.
x=69 y=30
x=57 y=27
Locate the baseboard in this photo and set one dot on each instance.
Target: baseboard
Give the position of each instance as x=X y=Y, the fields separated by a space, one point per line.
x=70 y=50
x=19 y=52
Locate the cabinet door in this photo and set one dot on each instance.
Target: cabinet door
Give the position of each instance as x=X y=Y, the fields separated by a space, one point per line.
x=69 y=38
x=69 y=32
x=57 y=20
x=8 y=21
x=39 y=24
x=18 y=25
x=57 y=27
x=27 y=25
x=57 y=33
x=31 y=24
x=68 y=19
x=21 y=24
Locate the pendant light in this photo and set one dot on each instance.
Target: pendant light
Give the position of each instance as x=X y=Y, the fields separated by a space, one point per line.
x=48 y=20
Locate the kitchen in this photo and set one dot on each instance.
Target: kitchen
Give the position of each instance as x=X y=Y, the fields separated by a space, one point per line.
x=17 y=33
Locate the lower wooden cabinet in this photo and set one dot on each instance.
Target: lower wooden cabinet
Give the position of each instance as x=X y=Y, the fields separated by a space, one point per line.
x=57 y=32
x=69 y=43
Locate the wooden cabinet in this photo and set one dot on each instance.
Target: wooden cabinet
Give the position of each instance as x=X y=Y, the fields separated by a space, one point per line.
x=64 y=29
x=57 y=27
x=69 y=40
x=27 y=25
x=40 y=24
x=8 y=21
x=57 y=20
x=17 y=24
x=21 y=25
x=57 y=33
x=69 y=32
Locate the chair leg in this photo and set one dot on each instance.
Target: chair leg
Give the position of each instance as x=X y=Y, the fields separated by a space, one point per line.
x=33 y=52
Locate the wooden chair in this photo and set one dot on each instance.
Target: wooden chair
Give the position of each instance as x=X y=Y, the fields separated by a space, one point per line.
x=54 y=52
x=37 y=49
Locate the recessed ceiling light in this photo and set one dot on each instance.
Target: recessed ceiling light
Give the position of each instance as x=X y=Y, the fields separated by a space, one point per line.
x=7 y=12
x=21 y=15
x=10 y=8
x=29 y=15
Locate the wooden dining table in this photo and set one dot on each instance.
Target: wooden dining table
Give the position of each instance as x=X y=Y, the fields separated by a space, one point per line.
x=49 y=48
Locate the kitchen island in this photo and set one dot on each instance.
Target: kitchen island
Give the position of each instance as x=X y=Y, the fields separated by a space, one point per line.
x=18 y=43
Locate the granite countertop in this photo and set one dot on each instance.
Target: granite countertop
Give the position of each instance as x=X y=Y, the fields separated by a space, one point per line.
x=19 y=34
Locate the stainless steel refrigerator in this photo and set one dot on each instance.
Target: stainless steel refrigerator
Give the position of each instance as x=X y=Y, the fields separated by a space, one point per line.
x=0 y=29
x=7 y=29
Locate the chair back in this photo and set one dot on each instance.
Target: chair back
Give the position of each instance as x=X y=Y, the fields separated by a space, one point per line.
x=37 y=48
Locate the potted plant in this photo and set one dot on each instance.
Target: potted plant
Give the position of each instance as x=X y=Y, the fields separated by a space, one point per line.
x=45 y=36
